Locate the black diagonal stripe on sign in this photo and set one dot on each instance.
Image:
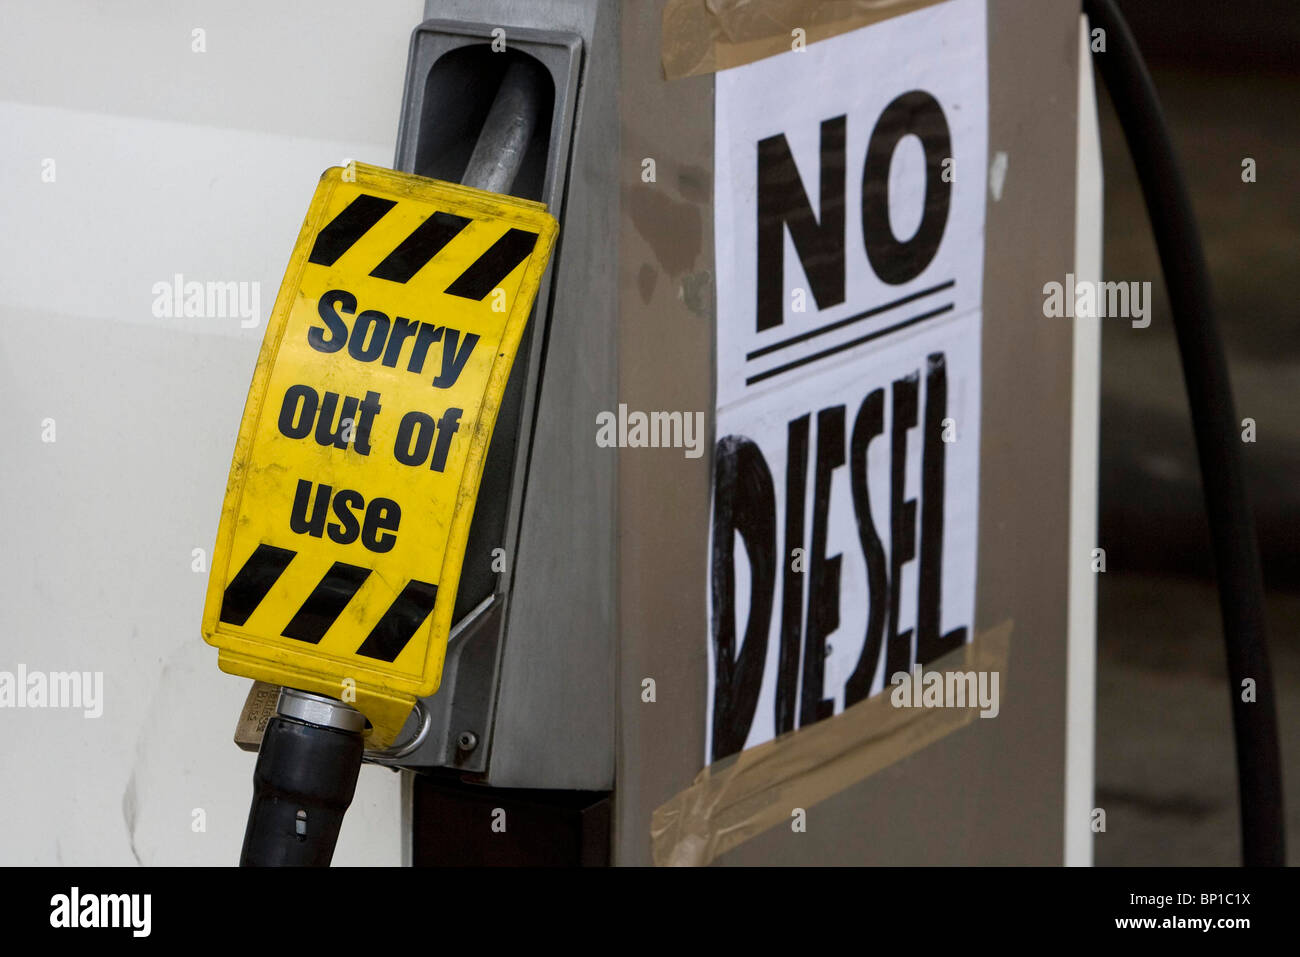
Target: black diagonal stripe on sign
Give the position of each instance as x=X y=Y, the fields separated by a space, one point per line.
x=247 y=589
x=486 y=272
x=326 y=602
x=341 y=232
x=417 y=249
x=386 y=641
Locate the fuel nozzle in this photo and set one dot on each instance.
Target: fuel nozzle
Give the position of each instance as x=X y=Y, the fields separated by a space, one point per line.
x=306 y=774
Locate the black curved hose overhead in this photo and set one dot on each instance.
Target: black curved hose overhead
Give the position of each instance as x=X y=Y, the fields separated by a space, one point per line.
x=1209 y=394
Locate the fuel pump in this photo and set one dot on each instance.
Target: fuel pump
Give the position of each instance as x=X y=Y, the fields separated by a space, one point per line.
x=348 y=513
x=429 y=549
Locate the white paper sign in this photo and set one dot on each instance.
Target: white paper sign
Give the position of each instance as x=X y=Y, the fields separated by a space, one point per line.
x=849 y=240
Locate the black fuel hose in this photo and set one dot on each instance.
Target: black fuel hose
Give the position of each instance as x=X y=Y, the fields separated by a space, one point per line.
x=1214 y=419
x=304 y=780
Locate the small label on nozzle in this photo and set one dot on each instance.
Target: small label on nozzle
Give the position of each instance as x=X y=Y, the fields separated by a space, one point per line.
x=259 y=708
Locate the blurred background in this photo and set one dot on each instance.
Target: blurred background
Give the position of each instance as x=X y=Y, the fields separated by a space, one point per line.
x=1228 y=75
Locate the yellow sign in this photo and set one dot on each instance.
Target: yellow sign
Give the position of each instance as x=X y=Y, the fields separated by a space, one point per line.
x=363 y=439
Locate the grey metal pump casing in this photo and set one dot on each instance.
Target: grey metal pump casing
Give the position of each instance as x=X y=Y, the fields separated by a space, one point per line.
x=529 y=674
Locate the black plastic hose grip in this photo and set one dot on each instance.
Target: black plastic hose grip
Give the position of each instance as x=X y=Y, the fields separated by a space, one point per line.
x=303 y=783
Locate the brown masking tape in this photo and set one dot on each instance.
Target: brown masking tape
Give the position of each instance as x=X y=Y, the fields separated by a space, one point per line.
x=742 y=796
x=703 y=36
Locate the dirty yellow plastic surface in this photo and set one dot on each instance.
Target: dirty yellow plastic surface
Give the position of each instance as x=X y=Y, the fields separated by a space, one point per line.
x=363 y=439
